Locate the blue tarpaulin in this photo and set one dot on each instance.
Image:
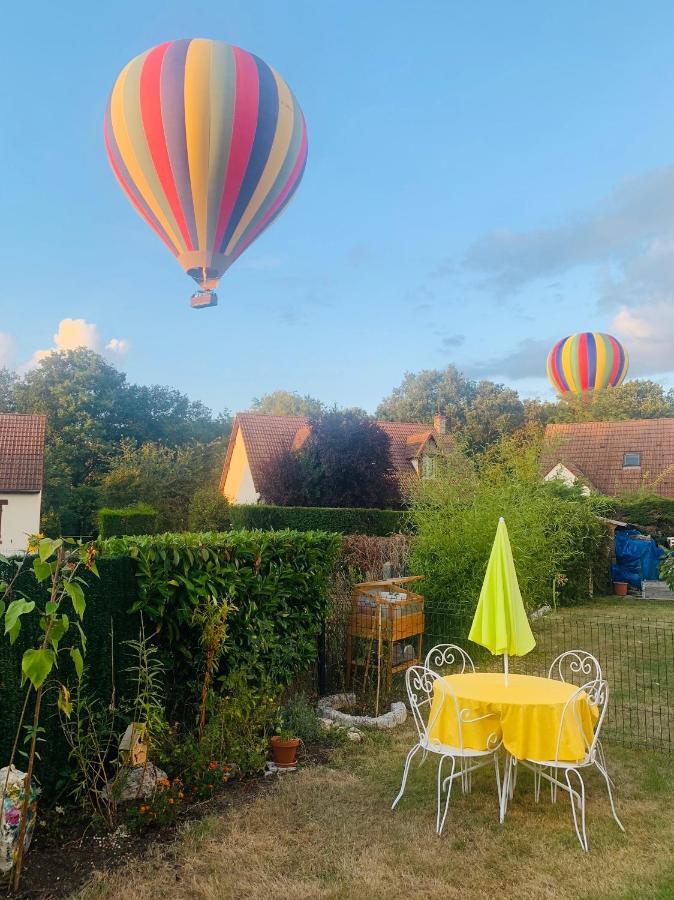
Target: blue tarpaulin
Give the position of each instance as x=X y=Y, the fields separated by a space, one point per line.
x=637 y=558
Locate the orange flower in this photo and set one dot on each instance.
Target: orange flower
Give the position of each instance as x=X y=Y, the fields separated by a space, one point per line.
x=171 y=800
x=212 y=765
x=142 y=809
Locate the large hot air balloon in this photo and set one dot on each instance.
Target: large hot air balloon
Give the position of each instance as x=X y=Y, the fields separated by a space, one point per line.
x=209 y=144
x=586 y=362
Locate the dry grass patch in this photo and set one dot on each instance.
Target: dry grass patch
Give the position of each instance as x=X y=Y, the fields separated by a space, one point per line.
x=329 y=832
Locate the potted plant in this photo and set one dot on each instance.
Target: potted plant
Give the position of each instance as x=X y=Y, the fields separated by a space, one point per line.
x=284 y=742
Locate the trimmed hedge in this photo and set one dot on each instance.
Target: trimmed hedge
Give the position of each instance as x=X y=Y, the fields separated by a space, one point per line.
x=138 y=519
x=380 y=522
x=277 y=583
x=107 y=625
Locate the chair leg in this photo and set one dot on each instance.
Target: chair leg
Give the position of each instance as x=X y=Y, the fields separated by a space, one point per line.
x=553 y=791
x=406 y=770
x=513 y=779
x=498 y=780
x=580 y=830
x=505 y=787
x=537 y=784
x=450 y=781
x=602 y=768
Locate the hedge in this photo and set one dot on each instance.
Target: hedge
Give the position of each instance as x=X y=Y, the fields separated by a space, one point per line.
x=106 y=624
x=277 y=583
x=138 y=519
x=381 y=522
x=650 y=511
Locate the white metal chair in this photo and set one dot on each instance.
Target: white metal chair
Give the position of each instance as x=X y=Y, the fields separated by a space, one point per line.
x=553 y=769
x=576 y=666
x=420 y=682
x=446 y=656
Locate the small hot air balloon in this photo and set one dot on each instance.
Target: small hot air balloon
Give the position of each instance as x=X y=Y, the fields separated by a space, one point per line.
x=209 y=144
x=587 y=361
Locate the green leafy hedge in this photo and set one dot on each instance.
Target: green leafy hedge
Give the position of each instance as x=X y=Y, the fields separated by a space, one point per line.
x=107 y=625
x=277 y=583
x=380 y=522
x=138 y=519
x=647 y=510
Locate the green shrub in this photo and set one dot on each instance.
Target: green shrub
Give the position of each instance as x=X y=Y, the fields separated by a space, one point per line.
x=275 y=582
x=299 y=719
x=319 y=518
x=138 y=519
x=552 y=531
x=209 y=511
x=649 y=511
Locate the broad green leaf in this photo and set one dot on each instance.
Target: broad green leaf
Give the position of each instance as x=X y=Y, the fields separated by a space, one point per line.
x=41 y=569
x=15 y=610
x=50 y=607
x=58 y=629
x=36 y=666
x=76 y=594
x=76 y=657
x=47 y=547
x=2 y=608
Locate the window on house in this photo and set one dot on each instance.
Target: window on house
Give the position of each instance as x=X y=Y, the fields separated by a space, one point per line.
x=429 y=466
x=631 y=460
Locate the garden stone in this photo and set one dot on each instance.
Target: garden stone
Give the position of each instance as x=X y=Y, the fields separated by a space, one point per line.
x=330 y=708
x=141 y=782
x=354 y=735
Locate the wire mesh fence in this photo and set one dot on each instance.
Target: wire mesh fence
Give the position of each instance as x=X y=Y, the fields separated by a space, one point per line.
x=636 y=653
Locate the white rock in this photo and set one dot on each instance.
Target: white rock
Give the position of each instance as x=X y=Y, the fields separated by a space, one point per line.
x=141 y=782
x=354 y=735
x=330 y=708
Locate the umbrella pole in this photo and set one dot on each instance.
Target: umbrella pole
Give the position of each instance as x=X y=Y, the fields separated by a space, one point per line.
x=505 y=667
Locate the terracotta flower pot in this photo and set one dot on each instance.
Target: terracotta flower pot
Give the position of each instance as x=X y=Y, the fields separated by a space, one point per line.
x=620 y=588
x=284 y=753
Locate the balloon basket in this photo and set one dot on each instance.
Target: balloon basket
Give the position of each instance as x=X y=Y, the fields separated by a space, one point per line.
x=202 y=299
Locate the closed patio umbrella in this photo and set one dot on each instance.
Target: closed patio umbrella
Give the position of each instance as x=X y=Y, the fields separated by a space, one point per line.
x=500 y=623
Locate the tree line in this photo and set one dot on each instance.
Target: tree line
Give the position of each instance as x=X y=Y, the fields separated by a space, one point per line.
x=113 y=443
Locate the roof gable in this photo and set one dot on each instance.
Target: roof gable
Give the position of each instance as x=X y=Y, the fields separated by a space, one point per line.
x=267 y=436
x=596 y=450
x=21 y=453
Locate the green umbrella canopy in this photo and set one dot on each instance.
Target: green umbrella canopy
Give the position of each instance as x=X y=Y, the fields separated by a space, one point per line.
x=500 y=623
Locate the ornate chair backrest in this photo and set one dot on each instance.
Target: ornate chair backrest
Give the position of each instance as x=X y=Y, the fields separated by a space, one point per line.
x=577 y=667
x=421 y=690
x=446 y=656
x=597 y=692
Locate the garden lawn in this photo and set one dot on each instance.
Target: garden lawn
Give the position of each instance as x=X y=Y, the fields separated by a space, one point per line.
x=328 y=831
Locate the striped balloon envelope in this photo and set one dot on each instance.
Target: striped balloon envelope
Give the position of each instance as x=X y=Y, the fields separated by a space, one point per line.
x=209 y=144
x=587 y=361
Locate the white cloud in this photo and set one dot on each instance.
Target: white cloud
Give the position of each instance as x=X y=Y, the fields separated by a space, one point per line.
x=74 y=333
x=648 y=335
x=118 y=346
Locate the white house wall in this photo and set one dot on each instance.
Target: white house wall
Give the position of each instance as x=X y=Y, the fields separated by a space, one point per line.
x=239 y=486
x=20 y=518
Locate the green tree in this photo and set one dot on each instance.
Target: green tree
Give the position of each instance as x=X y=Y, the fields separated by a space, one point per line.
x=8 y=381
x=165 y=478
x=287 y=403
x=636 y=399
x=167 y=416
x=477 y=413
x=209 y=510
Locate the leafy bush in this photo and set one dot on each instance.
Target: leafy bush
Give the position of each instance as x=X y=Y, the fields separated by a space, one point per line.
x=353 y=520
x=552 y=531
x=276 y=584
x=137 y=519
x=299 y=719
x=649 y=511
x=209 y=511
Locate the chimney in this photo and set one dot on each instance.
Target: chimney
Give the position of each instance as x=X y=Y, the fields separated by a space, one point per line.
x=440 y=424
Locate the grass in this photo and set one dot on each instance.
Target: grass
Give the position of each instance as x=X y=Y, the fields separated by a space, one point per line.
x=329 y=832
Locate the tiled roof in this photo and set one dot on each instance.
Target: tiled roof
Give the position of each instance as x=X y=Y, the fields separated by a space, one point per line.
x=265 y=436
x=597 y=449
x=21 y=453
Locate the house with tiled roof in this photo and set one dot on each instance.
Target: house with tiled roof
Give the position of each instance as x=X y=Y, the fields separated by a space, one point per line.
x=21 y=474
x=256 y=438
x=612 y=457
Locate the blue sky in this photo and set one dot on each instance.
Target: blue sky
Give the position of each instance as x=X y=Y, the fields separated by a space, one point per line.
x=483 y=178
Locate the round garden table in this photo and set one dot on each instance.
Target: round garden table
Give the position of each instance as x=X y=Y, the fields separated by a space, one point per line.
x=526 y=712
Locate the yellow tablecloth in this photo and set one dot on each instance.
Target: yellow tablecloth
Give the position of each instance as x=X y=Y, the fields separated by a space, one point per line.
x=527 y=713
